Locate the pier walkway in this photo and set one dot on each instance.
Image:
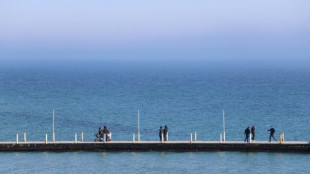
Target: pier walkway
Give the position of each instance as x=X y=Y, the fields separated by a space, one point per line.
x=174 y=146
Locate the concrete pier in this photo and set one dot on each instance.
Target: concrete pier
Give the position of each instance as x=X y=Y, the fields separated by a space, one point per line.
x=173 y=146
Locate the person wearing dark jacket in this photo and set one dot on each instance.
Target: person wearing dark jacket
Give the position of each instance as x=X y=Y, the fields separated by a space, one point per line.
x=253 y=132
x=166 y=133
x=106 y=132
x=100 y=132
x=247 y=134
x=272 y=130
x=160 y=133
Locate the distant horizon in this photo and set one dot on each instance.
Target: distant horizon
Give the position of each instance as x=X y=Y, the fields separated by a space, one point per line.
x=249 y=32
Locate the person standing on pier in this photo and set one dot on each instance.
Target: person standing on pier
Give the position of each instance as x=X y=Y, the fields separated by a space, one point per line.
x=272 y=130
x=160 y=133
x=100 y=132
x=166 y=133
x=247 y=134
x=253 y=132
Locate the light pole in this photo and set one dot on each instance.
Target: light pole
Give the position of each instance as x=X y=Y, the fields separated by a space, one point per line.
x=223 y=125
x=138 y=125
x=53 y=125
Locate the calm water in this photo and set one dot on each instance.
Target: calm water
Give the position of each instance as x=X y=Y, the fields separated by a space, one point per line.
x=186 y=99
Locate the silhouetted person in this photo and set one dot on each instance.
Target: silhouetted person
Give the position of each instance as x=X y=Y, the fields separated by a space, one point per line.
x=253 y=132
x=166 y=133
x=247 y=134
x=272 y=134
x=100 y=132
x=160 y=133
x=107 y=133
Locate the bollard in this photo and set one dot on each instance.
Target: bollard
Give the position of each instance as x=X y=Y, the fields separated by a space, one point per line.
x=139 y=136
x=104 y=137
x=111 y=136
x=221 y=137
x=224 y=138
x=16 y=138
x=191 y=137
x=75 y=138
x=133 y=137
x=195 y=136
x=250 y=138
x=25 y=137
x=162 y=137
x=53 y=136
x=167 y=136
x=282 y=137
x=45 y=138
x=82 y=137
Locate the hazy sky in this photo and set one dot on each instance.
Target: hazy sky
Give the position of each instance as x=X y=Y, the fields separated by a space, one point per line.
x=161 y=29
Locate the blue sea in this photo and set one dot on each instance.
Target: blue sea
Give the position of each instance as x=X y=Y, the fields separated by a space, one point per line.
x=187 y=98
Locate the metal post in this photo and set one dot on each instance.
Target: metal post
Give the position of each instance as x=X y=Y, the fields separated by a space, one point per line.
x=75 y=138
x=195 y=136
x=133 y=137
x=138 y=125
x=16 y=138
x=104 y=137
x=223 y=125
x=82 y=137
x=25 y=137
x=191 y=137
x=53 y=126
x=221 y=137
x=162 y=137
x=45 y=138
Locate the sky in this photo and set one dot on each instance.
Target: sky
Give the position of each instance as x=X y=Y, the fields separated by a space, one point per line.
x=243 y=30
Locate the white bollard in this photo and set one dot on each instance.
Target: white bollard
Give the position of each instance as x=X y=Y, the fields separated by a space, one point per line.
x=250 y=138
x=104 y=137
x=111 y=136
x=167 y=136
x=25 y=137
x=133 y=137
x=191 y=137
x=162 y=137
x=224 y=138
x=139 y=136
x=82 y=137
x=53 y=136
x=195 y=136
x=45 y=138
x=75 y=138
x=16 y=138
x=221 y=139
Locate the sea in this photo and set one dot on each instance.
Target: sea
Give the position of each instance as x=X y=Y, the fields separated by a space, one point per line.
x=187 y=97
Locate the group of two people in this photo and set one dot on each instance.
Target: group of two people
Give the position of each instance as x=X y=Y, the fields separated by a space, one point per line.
x=163 y=133
x=247 y=132
x=103 y=131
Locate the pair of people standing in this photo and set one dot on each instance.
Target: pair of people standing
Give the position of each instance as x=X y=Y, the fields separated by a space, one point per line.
x=247 y=132
x=163 y=133
x=103 y=131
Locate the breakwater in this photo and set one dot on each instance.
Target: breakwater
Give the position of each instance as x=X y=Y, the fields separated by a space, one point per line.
x=174 y=146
